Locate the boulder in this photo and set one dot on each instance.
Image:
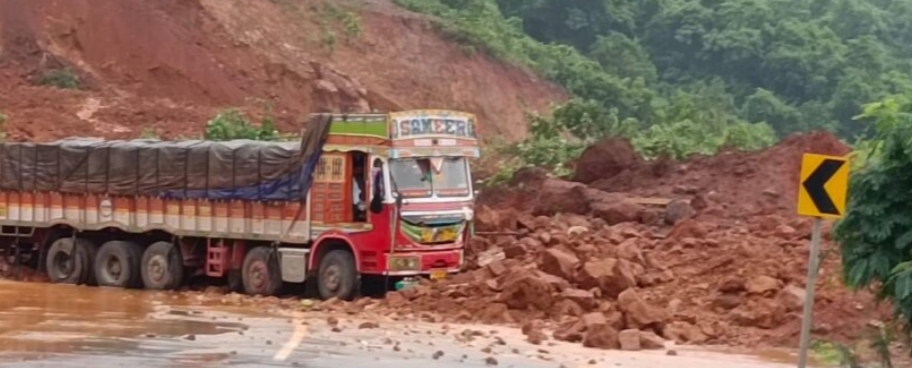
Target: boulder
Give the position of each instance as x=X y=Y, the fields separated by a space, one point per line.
x=585 y=299
x=677 y=211
x=629 y=340
x=611 y=276
x=727 y=301
x=558 y=196
x=732 y=284
x=684 y=332
x=487 y=219
x=765 y=314
x=651 y=341
x=559 y=263
x=570 y=331
x=604 y=160
x=602 y=337
x=533 y=332
x=515 y=250
x=566 y=307
x=617 y=212
x=637 y=313
x=522 y=289
x=630 y=250
x=590 y=320
x=792 y=298
x=763 y=285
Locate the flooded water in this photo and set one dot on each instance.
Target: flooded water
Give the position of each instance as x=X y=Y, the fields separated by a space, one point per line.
x=38 y=318
x=60 y=326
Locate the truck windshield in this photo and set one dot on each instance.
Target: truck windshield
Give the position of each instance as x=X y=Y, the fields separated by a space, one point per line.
x=419 y=177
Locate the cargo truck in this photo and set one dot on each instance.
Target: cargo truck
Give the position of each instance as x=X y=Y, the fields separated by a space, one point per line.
x=360 y=194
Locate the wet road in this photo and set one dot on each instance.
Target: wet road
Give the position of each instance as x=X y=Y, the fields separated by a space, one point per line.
x=44 y=325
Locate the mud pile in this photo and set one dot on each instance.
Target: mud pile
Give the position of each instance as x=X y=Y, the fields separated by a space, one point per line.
x=741 y=184
x=279 y=59
x=718 y=258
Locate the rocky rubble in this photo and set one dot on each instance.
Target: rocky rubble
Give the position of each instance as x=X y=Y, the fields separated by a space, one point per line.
x=584 y=281
x=571 y=262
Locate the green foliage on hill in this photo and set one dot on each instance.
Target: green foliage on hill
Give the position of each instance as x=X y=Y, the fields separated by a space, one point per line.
x=691 y=76
x=232 y=124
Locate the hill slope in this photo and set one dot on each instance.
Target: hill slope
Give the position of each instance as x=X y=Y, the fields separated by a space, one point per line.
x=170 y=65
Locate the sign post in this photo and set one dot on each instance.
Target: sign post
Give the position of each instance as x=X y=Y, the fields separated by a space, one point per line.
x=821 y=194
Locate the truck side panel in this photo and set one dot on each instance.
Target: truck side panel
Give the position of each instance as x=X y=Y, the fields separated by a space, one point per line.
x=269 y=221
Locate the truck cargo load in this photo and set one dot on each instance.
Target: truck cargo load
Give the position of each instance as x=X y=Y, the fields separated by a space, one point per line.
x=237 y=169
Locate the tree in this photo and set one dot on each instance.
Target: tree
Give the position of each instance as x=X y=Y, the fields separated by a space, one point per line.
x=875 y=236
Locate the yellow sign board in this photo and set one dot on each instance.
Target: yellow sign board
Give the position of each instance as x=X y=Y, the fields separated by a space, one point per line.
x=823 y=186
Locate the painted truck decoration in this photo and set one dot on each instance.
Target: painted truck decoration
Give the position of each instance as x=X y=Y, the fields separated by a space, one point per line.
x=367 y=194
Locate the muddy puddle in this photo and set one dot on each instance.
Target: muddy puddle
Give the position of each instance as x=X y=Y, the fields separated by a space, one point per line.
x=769 y=355
x=40 y=318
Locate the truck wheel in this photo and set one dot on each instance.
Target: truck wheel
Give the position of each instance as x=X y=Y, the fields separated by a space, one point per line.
x=337 y=276
x=260 y=272
x=118 y=264
x=87 y=250
x=235 y=281
x=70 y=262
x=162 y=267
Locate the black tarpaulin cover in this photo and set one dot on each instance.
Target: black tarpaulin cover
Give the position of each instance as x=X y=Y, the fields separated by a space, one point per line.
x=237 y=169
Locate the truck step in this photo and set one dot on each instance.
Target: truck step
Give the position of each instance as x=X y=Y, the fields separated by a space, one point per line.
x=216 y=260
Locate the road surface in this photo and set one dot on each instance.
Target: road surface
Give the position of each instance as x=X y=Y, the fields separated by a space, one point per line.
x=43 y=325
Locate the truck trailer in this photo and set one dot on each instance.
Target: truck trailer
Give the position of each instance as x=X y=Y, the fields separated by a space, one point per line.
x=384 y=194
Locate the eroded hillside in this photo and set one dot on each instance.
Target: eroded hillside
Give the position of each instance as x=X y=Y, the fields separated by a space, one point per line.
x=168 y=66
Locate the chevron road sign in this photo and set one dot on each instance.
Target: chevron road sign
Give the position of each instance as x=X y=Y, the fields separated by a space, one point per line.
x=823 y=185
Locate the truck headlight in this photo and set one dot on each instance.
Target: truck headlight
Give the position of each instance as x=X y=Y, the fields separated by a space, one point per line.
x=407 y=263
x=469 y=213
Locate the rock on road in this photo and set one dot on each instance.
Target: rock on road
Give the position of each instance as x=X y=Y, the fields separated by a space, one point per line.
x=44 y=325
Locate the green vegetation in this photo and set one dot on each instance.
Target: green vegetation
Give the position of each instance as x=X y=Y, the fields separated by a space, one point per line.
x=333 y=17
x=232 y=124
x=874 y=348
x=832 y=354
x=61 y=78
x=3 y=119
x=149 y=133
x=875 y=237
x=680 y=77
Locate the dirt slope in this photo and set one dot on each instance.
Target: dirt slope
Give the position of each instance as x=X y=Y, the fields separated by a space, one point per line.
x=170 y=65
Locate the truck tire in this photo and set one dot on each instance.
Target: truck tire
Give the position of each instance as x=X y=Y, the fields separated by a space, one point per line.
x=337 y=276
x=235 y=281
x=118 y=264
x=260 y=273
x=69 y=261
x=87 y=251
x=162 y=267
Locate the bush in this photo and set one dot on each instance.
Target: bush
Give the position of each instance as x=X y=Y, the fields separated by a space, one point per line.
x=59 y=78
x=232 y=124
x=875 y=236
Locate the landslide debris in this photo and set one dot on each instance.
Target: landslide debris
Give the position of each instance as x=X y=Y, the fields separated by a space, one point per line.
x=705 y=251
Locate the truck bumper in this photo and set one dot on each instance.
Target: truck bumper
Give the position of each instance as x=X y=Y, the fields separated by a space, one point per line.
x=433 y=263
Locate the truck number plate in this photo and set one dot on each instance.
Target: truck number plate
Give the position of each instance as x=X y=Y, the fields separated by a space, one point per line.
x=438 y=274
